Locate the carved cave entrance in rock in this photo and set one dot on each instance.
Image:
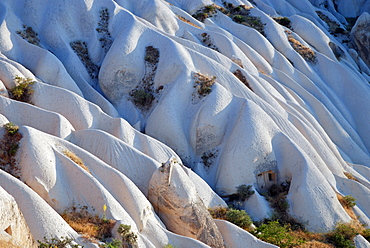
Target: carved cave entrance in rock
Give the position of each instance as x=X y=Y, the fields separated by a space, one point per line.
x=266 y=179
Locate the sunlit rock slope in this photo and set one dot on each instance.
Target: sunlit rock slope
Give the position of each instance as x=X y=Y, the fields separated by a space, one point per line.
x=174 y=104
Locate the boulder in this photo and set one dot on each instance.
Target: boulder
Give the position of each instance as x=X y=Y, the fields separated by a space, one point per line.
x=360 y=36
x=14 y=232
x=176 y=201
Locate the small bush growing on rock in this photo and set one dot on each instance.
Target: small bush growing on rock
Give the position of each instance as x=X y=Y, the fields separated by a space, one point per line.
x=142 y=98
x=128 y=237
x=342 y=236
x=239 y=218
x=63 y=242
x=275 y=233
x=284 y=21
x=115 y=243
x=243 y=192
x=203 y=84
x=23 y=90
x=350 y=201
x=11 y=128
x=8 y=148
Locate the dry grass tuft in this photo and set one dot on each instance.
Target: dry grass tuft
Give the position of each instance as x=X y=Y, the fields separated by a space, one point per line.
x=203 y=83
x=351 y=176
x=187 y=21
x=76 y=159
x=342 y=200
x=304 y=51
x=92 y=227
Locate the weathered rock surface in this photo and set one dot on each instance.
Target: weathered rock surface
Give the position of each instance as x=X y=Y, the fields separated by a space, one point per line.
x=360 y=35
x=14 y=231
x=175 y=200
x=235 y=237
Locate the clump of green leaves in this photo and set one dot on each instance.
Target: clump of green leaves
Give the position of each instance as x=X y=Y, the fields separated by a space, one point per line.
x=284 y=21
x=205 y=12
x=23 y=90
x=349 y=201
x=128 y=237
x=115 y=243
x=63 y=242
x=275 y=233
x=243 y=192
x=142 y=97
x=237 y=217
x=342 y=236
x=11 y=128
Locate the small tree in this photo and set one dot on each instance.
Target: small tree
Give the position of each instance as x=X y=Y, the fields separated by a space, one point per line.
x=128 y=237
x=239 y=218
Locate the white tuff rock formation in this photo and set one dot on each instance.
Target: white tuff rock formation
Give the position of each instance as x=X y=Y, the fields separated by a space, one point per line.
x=270 y=92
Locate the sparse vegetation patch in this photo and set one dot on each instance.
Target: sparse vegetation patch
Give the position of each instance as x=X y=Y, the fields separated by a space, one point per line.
x=334 y=27
x=8 y=149
x=284 y=21
x=208 y=157
x=243 y=192
x=206 y=11
x=242 y=78
x=63 y=242
x=241 y=14
x=237 y=217
x=29 y=35
x=105 y=36
x=275 y=233
x=76 y=159
x=187 y=21
x=91 y=227
x=129 y=238
x=207 y=41
x=80 y=48
x=144 y=94
x=23 y=89
x=203 y=84
x=306 y=52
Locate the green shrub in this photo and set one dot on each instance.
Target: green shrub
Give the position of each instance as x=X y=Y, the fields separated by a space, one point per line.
x=284 y=21
x=128 y=237
x=11 y=128
x=142 y=98
x=115 y=243
x=275 y=233
x=244 y=191
x=238 y=18
x=23 y=90
x=63 y=242
x=239 y=218
x=342 y=236
x=350 y=201
x=366 y=234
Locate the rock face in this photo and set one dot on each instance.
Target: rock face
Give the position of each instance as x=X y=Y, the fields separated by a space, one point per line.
x=14 y=231
x=360 y=35
x=177 y=203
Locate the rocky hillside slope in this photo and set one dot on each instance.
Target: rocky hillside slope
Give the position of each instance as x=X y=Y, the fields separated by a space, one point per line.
x=150 y=112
